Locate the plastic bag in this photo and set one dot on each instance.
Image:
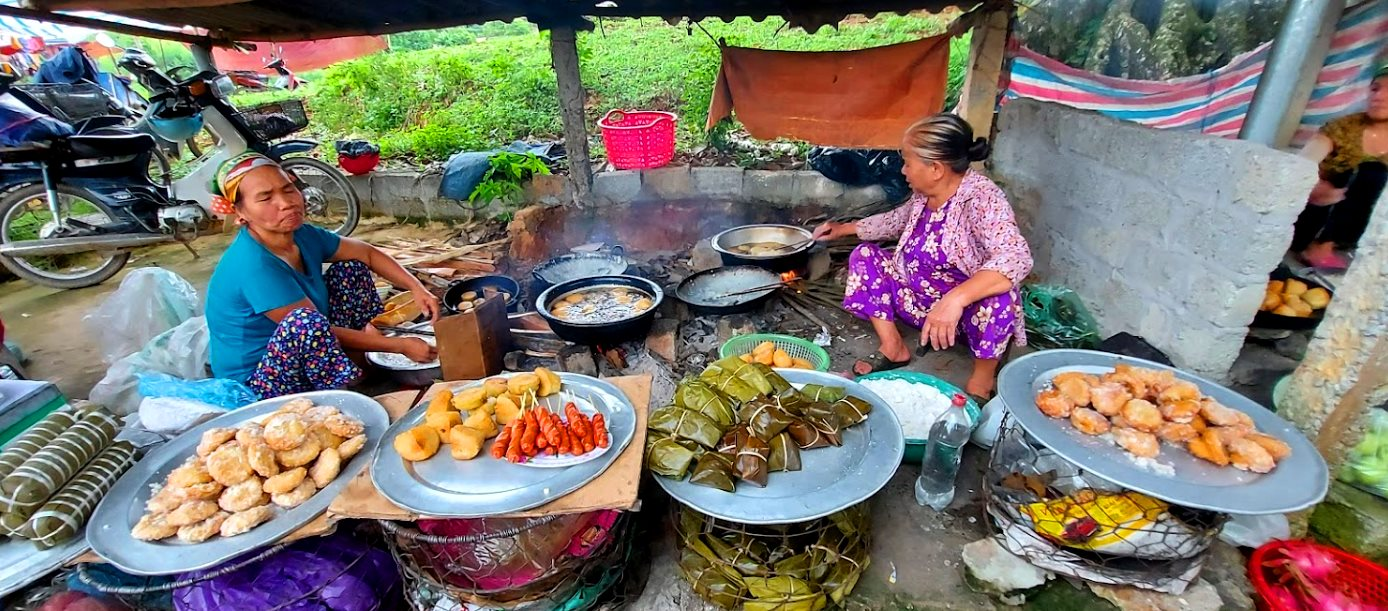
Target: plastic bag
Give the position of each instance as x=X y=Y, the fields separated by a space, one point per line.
x=1057 y=318
x=119 y=390
x=1254 y=531
x=216 y=392
x=181 y=352
x=329 y=573
x=860 y=168
x=355 y=148
x=149 y=301
x=20 y=125
x=1366 y=467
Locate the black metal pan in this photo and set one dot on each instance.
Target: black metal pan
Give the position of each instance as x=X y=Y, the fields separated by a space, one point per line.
x=1268 y=320
x=574 y=266
x=706 y=292
x=604 y=333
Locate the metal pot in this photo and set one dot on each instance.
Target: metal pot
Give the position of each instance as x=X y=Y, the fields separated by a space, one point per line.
x=574 y=266
x=454 y=295
x=784 y=261
x=703 y=291
x=604 y=333
x=415 y=375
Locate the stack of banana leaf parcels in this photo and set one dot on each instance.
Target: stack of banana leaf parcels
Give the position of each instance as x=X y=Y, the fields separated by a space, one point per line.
x=740 y=421
x=797 y=567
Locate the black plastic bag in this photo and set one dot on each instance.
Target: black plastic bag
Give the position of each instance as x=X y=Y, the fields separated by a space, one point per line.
x=355 y=148
x=861 y=168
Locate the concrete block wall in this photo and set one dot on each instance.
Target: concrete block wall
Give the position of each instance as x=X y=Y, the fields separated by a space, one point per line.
x=410 y=194
x=1167 y=235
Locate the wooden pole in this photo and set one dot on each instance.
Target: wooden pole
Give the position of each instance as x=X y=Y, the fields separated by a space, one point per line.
x=563 y=50
x=987 y=51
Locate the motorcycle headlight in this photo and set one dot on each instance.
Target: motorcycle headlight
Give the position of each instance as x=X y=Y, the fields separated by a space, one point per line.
x=223 y=87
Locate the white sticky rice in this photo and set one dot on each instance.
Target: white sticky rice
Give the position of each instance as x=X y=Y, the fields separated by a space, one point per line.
x=916 y=405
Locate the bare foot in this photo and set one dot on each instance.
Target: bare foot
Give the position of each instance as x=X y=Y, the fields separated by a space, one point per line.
x=980 y=387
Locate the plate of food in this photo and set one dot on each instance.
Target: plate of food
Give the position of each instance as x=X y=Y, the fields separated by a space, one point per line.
x=238 y=482
x=503 y=444
x=1163 y=432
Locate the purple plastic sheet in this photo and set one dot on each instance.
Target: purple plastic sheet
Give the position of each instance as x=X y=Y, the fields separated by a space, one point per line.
x=331 y=573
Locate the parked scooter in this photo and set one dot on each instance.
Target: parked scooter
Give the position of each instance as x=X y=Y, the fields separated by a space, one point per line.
x=286 y=79
x=73 y=207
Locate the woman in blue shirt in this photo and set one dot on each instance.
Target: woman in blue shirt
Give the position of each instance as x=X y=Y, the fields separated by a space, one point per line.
x=278 y=321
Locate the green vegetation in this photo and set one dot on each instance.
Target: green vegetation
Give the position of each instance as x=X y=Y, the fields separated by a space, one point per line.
x=464 y=35
x=430 y=103
x=505 y=177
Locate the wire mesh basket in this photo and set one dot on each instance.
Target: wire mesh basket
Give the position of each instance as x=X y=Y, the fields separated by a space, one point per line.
x=1061 y=518
x=554 y=563
x=791 y=566
x=275 y=120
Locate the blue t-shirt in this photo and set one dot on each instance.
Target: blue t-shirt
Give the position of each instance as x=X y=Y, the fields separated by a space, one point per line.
x=250 y=281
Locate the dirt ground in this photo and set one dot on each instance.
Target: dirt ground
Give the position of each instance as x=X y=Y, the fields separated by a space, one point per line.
x=61 y=348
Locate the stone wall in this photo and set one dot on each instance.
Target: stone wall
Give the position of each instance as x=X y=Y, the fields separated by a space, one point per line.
x=414 y=195
x=1166 y=235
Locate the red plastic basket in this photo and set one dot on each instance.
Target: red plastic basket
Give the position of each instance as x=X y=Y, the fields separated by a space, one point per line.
x=1357 y=577
x=638 y=139
x=361 y=164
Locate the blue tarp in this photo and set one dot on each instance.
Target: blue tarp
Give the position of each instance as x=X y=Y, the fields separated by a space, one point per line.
x=464 y=171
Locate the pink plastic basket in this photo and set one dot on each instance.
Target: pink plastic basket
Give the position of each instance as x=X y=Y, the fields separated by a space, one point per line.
x=638 y=139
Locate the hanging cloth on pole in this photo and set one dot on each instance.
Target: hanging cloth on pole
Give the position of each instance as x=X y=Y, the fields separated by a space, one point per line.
x=852 y=99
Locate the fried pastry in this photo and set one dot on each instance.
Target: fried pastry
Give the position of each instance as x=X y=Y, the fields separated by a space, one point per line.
x=285 y=432
x=205 y=491
x=295 y=497
x=1142 y=415
x=326 y=468
x=1179 y=390
x=1088 y=421
x=167 y=499
x=286 y=481
x=349 y=448
x=214 y=438
x=1138 y=443
x=1128 y=376
x=1109 y=397
x=1182 y=411
x=1249 y=455
x=249 y=433
x=1208 y=447
x=300 y=456
x=1074 y=386
x=1177 y=432
x=153 y=527
x=325 y=437
x=1275 y=447
x=1052 y=403
x=343 y=425
x=1218 y=415
x=242 y=496
x=204 y=530
x=262 y=458
x=298 y=406
x=191 y=512
x=191 y=472
x=228 y=464
x=242 y=522
x=1228 y=434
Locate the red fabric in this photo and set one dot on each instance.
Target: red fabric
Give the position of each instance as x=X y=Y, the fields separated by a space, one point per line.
x=300 y=56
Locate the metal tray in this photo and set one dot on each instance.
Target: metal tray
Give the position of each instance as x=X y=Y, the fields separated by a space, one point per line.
x=1298 y=482
x=109 y=529
x=830 y=479
x=484 y=486
x=21 y=563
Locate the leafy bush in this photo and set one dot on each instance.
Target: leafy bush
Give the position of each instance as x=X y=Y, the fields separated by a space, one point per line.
x=431 y=103
x=506 y=173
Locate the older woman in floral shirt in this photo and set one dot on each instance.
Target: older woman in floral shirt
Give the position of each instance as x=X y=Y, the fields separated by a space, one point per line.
x=958 y=263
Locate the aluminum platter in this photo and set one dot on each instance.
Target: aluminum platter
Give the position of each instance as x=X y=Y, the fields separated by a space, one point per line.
x=831 y=479
x=1298 y=482
x=108 y=532
x=484 y=486
x=21 y=563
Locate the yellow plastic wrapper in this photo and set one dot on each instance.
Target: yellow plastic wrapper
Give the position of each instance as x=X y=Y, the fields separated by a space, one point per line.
x=1125 y=524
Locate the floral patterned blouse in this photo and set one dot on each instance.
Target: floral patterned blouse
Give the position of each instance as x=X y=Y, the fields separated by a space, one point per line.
x=980 y=230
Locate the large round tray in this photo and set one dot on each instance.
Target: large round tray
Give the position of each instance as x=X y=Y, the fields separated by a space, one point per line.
x=1298 y=482
x=484 y=486
x=831 y=479
x=109 y=529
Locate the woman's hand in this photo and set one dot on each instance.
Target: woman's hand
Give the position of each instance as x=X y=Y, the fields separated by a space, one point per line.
x=942 y=323
x=831 y=230
x=417 y=350
x=1325 y=194
x=428 y=304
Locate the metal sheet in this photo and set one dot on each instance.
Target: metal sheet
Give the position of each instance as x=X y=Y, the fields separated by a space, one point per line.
x=830 y=479
x=109 y=529
x=447 y=488
x=21 y=563
x=1298 y=482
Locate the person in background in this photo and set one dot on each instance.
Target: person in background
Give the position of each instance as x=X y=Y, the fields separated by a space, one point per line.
x=1351 y=152
x=279 y=323
x=959 y=260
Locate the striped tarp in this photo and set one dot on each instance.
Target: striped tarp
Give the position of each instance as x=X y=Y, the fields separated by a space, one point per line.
x=1216 y=102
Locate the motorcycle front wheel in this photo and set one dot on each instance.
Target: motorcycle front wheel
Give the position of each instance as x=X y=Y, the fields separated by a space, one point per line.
x=330 y=200
x=25 y=215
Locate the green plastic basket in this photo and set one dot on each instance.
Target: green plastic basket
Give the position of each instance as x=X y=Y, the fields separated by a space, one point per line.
x=915 y=448
x=794 y=346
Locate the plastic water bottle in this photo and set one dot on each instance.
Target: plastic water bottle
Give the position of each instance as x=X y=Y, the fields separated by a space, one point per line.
x=940 y=465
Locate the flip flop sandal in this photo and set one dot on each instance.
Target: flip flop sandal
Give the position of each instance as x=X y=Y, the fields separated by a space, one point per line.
x=879 y=362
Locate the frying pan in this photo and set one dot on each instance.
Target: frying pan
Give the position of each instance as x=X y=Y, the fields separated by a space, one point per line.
x=705 y=291
x=1268 y=320
x=600 y=333
x=579 y=265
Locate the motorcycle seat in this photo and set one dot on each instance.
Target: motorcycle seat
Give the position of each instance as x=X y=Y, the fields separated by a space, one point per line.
x=86 y=146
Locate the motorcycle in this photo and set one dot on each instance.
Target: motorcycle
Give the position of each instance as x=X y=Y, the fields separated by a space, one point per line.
x=72 y=208
x=286 y=78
